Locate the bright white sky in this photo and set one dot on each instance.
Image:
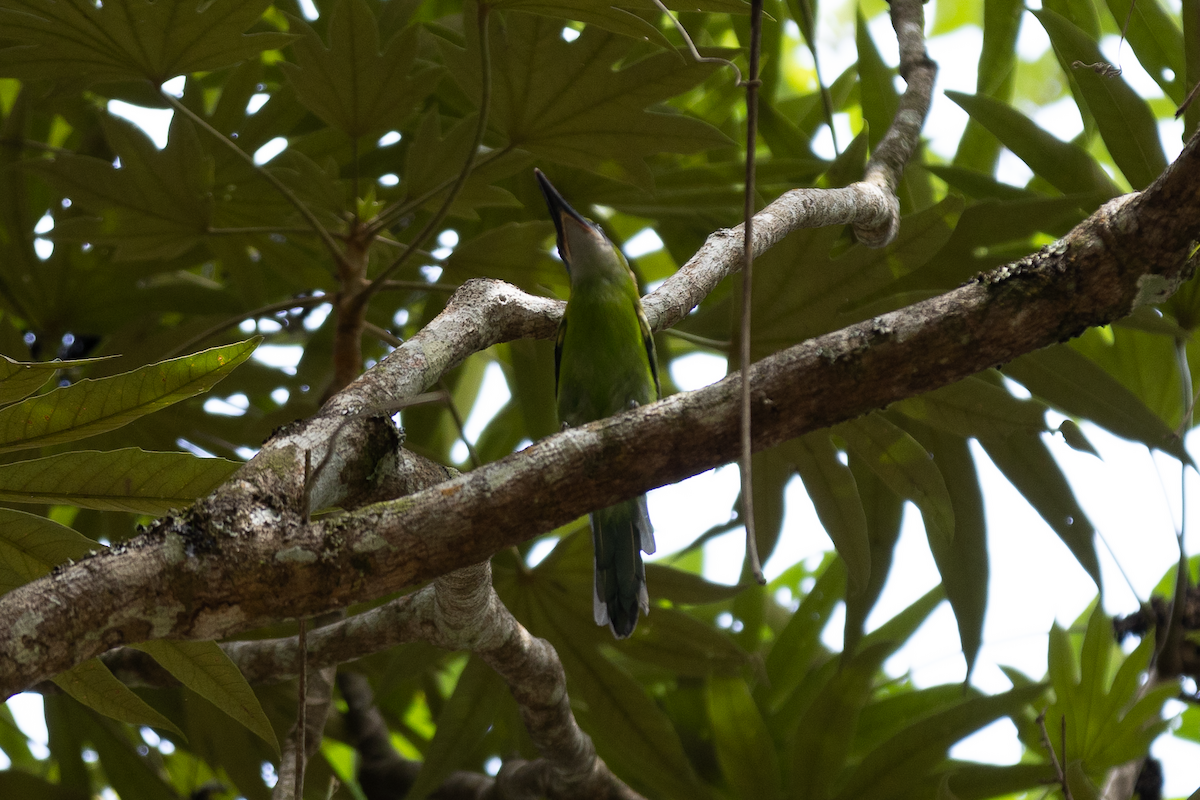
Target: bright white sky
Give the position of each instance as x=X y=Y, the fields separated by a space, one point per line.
x=1132 y=497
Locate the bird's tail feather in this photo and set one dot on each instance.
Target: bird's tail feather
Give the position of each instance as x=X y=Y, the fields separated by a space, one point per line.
x=620 y=534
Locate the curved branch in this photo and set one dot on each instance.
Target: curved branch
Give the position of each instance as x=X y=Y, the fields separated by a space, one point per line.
x=242 y=557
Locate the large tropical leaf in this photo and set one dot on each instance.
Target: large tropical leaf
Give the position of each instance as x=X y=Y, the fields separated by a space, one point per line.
x=92 y=684
x=350 y=84
x=120 y=480
x=92 y=406
x=31 y=545
x=204 y=668
x=120 y=40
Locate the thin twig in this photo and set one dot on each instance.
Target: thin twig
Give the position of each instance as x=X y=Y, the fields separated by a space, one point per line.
x=691 y=46
x=485 y=96
x=747 y=297
x=282 y=305
x=1058 y=768
x=395 y=341
x=389 y=215
x=724 y=345
x=19 y=142
x=257 y=230
x=1117 y=561
x=302 y=708
x=290 y=196
x=1187 y=101
x=418 y=286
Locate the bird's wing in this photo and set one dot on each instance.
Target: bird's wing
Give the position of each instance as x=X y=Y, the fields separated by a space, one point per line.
x=648 y=339
x=558 y=348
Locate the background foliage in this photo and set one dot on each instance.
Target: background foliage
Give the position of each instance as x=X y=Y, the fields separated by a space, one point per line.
x=298 y=137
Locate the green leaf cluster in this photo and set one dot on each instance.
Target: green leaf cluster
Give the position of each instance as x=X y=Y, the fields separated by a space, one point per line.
x=118 y=255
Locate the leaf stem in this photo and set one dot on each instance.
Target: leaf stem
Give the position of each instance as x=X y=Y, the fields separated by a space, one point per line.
x=290 y=196
x=282 y=305
x=485 y=96
x=389 y=215
x=691 y=46
x=301 y=708
x=752 y=85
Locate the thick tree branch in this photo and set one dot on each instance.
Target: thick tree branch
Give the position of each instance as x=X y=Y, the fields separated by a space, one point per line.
x=241 y=558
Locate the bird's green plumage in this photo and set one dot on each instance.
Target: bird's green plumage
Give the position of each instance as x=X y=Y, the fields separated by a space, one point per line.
x=605 y=364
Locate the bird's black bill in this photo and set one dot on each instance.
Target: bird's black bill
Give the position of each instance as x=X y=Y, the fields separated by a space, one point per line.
x=559 y=208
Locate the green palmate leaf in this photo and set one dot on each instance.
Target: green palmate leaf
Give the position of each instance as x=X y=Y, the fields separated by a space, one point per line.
x=1124 y=119
x=14 y=742
x=962 y=563
x=800 y=291
x=630 y=731
x=434 y=160
x=20 y=379
x=95 y=406
x=461 y=726
x=228 y=746
x=157 y=204
x=978 y=149
x=883 y=509
x=122 y=40
x=602 y=15
x=908 y=755
x=1082 y=13
x=980 y=185
x=685 y=587
x=1066 y=166
x=19 y=783
x=744 y=747
x=351 y=85
x=772 y=471
x=581 y=111
x=879 y=97
x=827 y=729
x=1026 y=462
x=129 y=774
x=887 y=715
x=905 y=467
x=622 y=18
x=66 y=743
x=1106 y=723
x=974 y=407
x=1144 y=363
x=204 y=668
x=835 y=497
x=899 y=628
x=798 y=644
x=92 y=684
x=121 y=480
x=1065 y=378
x=1094 y=659
x=513 y=252
x=980 y=781
x=1080 y=784
x=31 y=545
x=684 y=645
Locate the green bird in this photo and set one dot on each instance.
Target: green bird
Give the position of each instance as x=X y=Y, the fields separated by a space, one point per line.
x=604 y=363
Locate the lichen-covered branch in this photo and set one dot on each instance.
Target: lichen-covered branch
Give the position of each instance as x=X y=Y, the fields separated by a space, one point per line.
x=243 y=557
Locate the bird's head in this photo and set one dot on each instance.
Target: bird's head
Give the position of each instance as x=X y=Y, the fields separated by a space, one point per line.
x=581 y=243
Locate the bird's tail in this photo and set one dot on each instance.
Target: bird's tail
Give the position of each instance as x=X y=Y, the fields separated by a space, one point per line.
x=620 y=534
